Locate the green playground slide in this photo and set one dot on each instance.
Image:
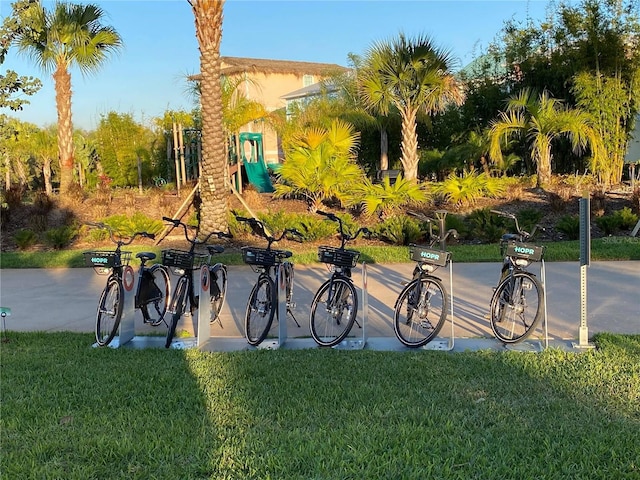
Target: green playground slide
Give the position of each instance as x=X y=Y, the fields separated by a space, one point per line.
x=258 y=176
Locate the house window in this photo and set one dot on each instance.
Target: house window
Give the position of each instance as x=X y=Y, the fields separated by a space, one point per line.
x=307 y=80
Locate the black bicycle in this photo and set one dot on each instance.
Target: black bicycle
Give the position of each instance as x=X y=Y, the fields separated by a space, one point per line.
x=152 y=290
x=184 y=264
x=335 y=305
x=518 y=300
x=262 y=304
x=422 y=306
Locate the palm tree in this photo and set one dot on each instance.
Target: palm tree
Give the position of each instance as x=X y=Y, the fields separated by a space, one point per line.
x=414 y=76
x=213 y=188
x=320 y=164
x=541 y=120
x=69 y=35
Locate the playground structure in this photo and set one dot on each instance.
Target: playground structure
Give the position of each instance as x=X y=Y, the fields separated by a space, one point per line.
x=245 y=159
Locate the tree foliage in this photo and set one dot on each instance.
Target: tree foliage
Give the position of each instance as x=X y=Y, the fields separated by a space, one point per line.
x=319 y=165
x=414 y=76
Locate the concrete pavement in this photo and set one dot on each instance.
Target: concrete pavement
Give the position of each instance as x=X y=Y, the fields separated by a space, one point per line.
x=65 y=300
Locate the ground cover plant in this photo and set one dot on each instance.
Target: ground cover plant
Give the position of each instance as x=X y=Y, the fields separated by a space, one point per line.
x=72 y=411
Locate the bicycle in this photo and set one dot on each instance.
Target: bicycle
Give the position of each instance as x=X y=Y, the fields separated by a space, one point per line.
x=262 y=304
x=184 y=264
x=153 y=287
x=335 y=305
x=422 y=305
x=519 y=293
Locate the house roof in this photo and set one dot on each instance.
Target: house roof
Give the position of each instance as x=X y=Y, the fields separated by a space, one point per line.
x=232 y=65
x=311 y=90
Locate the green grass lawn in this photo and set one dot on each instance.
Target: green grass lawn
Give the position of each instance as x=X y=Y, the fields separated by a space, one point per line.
x=70 y=411
x=610 y=248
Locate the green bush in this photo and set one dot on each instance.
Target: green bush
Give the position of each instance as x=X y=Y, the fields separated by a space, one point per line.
x=399 y=230
x=61 y=237
x=570 y=226
x=469 y=188
x=609 y=224
x=528 y=218
x=126 y=226
x=627 y=218
x=25 y=238
x=486 y=225
x=384 y=199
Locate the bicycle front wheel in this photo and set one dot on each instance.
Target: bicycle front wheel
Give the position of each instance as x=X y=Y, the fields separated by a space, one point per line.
x=218 y=289
x=162 y=289
x=109 y=312
x=333 y=311
x=261 y=309
x=516 y=307
x=420 y=311
x=178 y=304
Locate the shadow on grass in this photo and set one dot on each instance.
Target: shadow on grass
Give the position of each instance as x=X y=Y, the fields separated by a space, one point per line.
x=88 y=413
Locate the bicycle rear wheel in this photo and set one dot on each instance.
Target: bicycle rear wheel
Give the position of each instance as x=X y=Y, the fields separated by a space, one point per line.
x=218 y=289
x=178 y=302
x=420 y=312
x=109 y=312
x=333 y=311
x=162 y=289
x=516 y=307
x=261 y=308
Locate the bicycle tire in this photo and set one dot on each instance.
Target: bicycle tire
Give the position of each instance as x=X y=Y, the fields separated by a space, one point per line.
x=261 y=308
x=218 y=289
x=177 y=309
x=326 y=319
x=420 y=311
x=163 y=282
x=509 y=309
x=288 y=276
x=109 y=311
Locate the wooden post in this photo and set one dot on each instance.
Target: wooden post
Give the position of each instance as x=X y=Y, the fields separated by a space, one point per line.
x=181 y=150
x=139 y=174
x=176 y=156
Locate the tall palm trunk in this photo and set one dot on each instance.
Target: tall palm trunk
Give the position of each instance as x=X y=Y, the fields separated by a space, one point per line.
x=213 y=185
x=62 y=80
x=409 y=144
x=384 y=149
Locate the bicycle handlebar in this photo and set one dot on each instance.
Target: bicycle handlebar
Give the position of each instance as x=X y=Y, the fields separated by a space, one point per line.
x=523 y=233
x=178 y=223
x=344 y=237
x=259 y=229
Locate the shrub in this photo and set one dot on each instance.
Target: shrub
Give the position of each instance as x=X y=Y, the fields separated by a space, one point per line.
x=42 y=203
x=486 y=225
x=126 y=226
x=25 y=238
x=570 y=226
x=528 y=218
x=59 y=238
x=13 y=196
x=609 y=224
x=627 y=218
x=385 y=198
x=399 y=230
x=466 y=190
x=315 y=228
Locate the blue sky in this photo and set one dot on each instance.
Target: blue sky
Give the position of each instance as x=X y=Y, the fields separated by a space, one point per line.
x=160 y=47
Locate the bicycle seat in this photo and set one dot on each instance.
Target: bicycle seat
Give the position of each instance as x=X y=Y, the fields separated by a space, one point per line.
x=145 y=256
x=215 y=249
x=283 y=253
x=507 y=237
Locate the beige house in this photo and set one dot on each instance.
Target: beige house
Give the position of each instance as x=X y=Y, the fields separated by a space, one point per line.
x=269 y=82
